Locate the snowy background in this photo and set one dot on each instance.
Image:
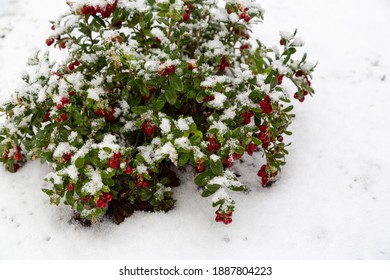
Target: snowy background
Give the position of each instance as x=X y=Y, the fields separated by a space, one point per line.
x=331 y=202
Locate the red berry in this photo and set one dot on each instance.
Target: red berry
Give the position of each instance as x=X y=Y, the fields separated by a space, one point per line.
x=5 y=156
x=263 y=128
x=200 y=168
x=129 y=170
x=108 y=197
x=280 y=138
x=64 y=100
x=18 y=157
x=110 y=8
x=16 y=167
x=252 y=146
x=100 y=203
x=63 y=45
x=64 y=116
x=66 y=157
x=219 y=219
x=86 y=199
x=59 y=106
x=72 y=93
x=46 y=117
x=139 y=184
x=247 y=18
x=264 y=180
x=296 y=95
x=145 y=184
x=262 y=173
x=53 y=27
x=227 y=221
x=299 y=73
x=280 y=79
x=49 y=41
x=243 y=15
x=301 y=99
x=171 y=69
x=85 y=10
x=71 y=66
x=105 y=13
x=70 y=187
x=281 y=42
x=186 y=15
x=236 y=156
x=76 y=63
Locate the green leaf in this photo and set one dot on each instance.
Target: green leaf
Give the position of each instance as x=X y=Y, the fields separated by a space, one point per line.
x=176 y=82
x=140 y=110
x=288 y=109
x=171 y=96
x=140 y=158
x=109 y=182
x=216 y=167
x=197 y=138
x=48 y=192
x=184 y=159
x=210 y=189
x=69 y=198
x=79 y=162
x=159 y=103
x=202 y=178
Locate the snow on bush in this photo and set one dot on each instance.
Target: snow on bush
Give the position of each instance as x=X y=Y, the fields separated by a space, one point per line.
x=147 y=85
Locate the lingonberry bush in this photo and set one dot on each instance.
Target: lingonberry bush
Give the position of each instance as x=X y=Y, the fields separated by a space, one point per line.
x=148 y=85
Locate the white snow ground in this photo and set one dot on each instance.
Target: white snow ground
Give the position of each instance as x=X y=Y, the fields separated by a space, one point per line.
x=331 y=202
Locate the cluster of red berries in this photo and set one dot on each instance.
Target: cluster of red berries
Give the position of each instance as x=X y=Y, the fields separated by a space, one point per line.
x=296 y=96
x=149 y=128
x=265 y=105
x=50 y=41
x=60 y=106
x=147 y=97
x=251 y=148
x=244 y=33
x=105 y=12
x=224 y=64
x=208 y=98
x=103 y=200
x=63 y=102
x=223 y=217
x=166 y=70
x=109 y=115
x=142 y=182
x=115 y=161
x=229 y=161
x=247 y=116
x=73 y=64
x=213 y=144
x=262 y=173
x=244 y=14
x=263 y=136
x=17 y=154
